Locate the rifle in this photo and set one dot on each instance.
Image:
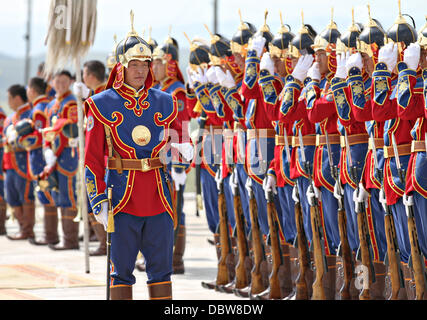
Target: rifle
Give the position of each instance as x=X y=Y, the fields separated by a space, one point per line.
x=364 y=239
x=318 y=238
x=416 y=260
x=344 y=248
x=260 y=272
x=110 y=230
x=302 y=292
x=226 y=272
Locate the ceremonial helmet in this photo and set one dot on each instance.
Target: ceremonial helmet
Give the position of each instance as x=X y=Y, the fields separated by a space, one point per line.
x=327 y=39
x=151 y=42
x=24 y=127
x=111 y=58
x=401 y=31
x=219 y=48
x=422 y=36
x=303 y=40
x=133 y=47
x=240 y=39
x=168 y=51
x=265 y=31
x=348 y=40
x=371 y=39
x=199 y=53
x=278 y=47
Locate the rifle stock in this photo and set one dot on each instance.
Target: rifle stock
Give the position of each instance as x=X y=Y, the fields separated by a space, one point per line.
x=346 y=255
x=318 y=289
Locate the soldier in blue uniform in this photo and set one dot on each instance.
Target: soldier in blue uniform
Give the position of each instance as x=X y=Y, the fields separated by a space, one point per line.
x=130 y=123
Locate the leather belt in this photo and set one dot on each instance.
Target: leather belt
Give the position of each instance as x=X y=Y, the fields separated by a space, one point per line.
x=379 y=143
x=260 y=133
x=280 y=140
x=355 y=139
x=217 y=130
x=403 y=150
x=418 y=146
x=143 y=165
x=333 y=139
x=308 y=140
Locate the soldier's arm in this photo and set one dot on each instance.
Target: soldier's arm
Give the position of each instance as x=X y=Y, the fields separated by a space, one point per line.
x=410 y=99
x=191 y=103
x=383 y=108
x=360 y=103
x=250 y=88
x=292 y=105
x=342 y=98
x=34 y=139
x=271 y=87
x=318 y=108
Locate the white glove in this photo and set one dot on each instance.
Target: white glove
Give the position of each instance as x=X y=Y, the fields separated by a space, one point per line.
x=411 y=56
x=360 y=197
x=179 y=178
x=302 y=66
x=218 y=177
x=248 y=184
x=314 y=72
x=233 y=184
x=408 y=201
x=80 y=89
x=257 y=44
x=73 y=142
x=211 y=75
x=312 y=193
x=267 y=63
x=383 y=200
x=200 y=76
x=341 y=65
x=388 y=55
x=11 y=134
x=186 y=149
x=190 y=77
x=225 y=79
x=295 y=194
x=269 y=185
x=355 y=60
x=338 y=191
x=102 y=216
x=49 y=157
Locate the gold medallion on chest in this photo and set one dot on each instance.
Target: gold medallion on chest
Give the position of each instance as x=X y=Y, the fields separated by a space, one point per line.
x=141 y=135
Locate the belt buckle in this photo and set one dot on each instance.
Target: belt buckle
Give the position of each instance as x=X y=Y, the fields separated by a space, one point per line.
x=145 y=165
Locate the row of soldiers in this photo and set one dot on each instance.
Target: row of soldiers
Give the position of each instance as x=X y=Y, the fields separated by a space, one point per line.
x=310 y=155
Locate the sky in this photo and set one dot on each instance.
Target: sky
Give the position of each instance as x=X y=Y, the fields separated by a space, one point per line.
x=189 y=16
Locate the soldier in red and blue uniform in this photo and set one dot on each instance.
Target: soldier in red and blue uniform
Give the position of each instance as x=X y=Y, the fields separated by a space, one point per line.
x=169 y=79
x=3 y=205
x=129 y=122
x=19 y=189
x=33 y=142
x=62 y=158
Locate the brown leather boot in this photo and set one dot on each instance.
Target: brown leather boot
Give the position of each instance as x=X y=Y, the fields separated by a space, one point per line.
x=178 y=251
x=212 y=284
x=70 y=230
x=50 y=227
x=3 y=209
x=378 y=287
x=26 y=219
x=101 y=235
x=121 y=293
x=329 y=278
x=160 y=291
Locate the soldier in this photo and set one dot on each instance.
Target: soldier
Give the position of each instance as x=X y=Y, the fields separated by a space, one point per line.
x=93 y=83
x=169 y=79
x=129 y=133
x=3 y=204
x=33 y=142
x=62 y=158
x=18 y=185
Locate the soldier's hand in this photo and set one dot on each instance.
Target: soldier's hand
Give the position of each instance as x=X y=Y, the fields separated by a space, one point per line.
x=49 y=157
x=257 y=43
x=338 y=191
x=388 y=55
x=314 y=72
x=383 y=200
x=302 y=66
x=102 y=216
x=341 y=65
x=267 y=63
x=360 y=195
x=248 y=184
x=189 y=77
x=186 y=149
x=355 y=60
x=211 y=75
x=200 y=76
x=411 y=56
x=228 y=81
x=80 y=89
x=408 y=201
x=218 y=177
x=179 y=178
x=295 y=194
x=312 y=194
x=269 y=185
x=11 y=134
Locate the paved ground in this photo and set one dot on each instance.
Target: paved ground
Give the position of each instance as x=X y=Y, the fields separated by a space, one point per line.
x=200 y=264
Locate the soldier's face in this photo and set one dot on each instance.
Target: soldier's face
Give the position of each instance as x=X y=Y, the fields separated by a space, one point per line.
x=368 y=64
x=159 y=70
x=14 y=101
x=240 y=61
x=423 y=58
x=136 y=73
x=31 y=94
x=61 y=84
x=322 y=59
x=279 y=66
